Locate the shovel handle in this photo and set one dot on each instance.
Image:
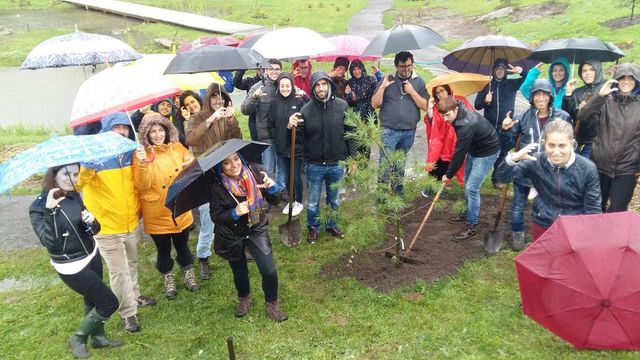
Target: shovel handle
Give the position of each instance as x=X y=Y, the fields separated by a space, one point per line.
x=424 y=220
x=292 y=164
x=503 y=198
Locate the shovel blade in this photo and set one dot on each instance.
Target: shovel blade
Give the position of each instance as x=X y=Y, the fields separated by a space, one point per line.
x=290 y=233
x=492 y=242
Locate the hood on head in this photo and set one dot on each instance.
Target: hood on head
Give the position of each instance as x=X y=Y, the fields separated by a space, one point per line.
x=155 y=106
x=357 y=63
x=597 y=65
x=154 y=118
x=341 y=61
x=215 y=89
x=499 y=62
x=433 y=91
x=317 y=76
x=625 y=69
x=117 y=118
x=567 y=69
x=284 y=75
x=541 y=85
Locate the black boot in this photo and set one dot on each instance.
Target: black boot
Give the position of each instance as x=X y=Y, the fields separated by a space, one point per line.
x=78 y=341
x=99 y=339
x=466 y=235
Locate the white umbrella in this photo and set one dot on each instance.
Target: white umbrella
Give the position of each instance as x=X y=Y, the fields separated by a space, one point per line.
x=292 y=43
x=120 y=88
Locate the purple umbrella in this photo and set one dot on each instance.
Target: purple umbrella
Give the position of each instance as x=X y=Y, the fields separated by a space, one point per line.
x=478 y=55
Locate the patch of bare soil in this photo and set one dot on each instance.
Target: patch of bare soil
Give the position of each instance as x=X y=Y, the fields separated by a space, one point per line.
x=449 y=24
x=438 y=254
x=538 y=11
x=621 y=22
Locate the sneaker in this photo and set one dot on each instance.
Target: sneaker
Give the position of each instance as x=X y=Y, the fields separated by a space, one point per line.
x=190 y=280
x=457 y=219
x=312 y=237
x=144 y=301
x=532 y=194
x=333 y=231
x=297 y=209
x=131 y=324
x=203 y=269
x=274 y=311
x=243 y=308
x=425 y=193
x=285 y=211
x=466 y=235
x=170 y=291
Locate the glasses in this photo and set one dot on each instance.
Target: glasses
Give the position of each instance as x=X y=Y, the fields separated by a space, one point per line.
x=274 y=69
x=407 y=66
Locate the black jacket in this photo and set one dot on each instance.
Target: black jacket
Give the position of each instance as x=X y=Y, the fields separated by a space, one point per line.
x=230 y=233
x=281 y=109
x=587 y=131
x=323 y=127
x=61 y=230
x=476 y=136
x=571 y=190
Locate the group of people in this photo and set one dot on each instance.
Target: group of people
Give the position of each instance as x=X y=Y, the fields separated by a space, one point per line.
x=77 y=229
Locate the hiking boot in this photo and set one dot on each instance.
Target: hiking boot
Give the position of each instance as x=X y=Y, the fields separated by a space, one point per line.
x=145 y=301
x=243 y=308
x=312 y=237
x=203 y=269
x=333 y=231
x=131 y=324
x=517 y=243
x=274 y=311
x=190 y=279
x=457 y=219
x=78 y=341
x=100 y=340
x=170 y=291
x=466 y=235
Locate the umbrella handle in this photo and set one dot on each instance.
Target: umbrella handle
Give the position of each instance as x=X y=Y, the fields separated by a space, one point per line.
x=233 y=196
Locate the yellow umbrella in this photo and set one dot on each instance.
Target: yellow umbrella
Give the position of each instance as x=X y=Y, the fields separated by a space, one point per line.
x=463 y=84
x=158 y=63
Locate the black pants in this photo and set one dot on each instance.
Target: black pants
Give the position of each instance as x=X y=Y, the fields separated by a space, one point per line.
x=267 y=270
x=164 y=262
x=616 y=190
x=88 y=283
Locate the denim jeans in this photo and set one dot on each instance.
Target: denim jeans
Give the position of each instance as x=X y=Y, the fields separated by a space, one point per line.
x=205 y=237
x=267 y=269
x=520 y=195
x=283 y=164
x=475 y=171
x=269 y=161
x=316 y=175
x=395 y=140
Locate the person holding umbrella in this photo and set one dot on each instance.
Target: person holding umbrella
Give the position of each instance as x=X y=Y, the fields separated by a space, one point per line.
x=574 y=99
x=239 y=197
x=154 y=168
x=559 y=73
x=66 y=228
x=529 y=127
x=616 y=149
x=566 y=182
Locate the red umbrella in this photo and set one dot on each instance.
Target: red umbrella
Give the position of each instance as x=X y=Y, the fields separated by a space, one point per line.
x=349 y=46
x=581 y=280
x=209 y=40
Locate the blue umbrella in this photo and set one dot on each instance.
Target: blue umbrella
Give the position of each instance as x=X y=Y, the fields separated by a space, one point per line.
x=61 y=150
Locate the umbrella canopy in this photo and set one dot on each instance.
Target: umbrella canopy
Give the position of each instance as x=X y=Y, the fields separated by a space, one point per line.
x=402 y=38
x=251 y=39
x=576 y=50
x=209 y=40
x=292 y=43
x=349 y=46
x=463 y=84
x=77 y=49
x=190 y=189
x=61 y=150
x=478 y=55
x=157 y=63
x=119 y=88
x=214 y=58
x=580 y=280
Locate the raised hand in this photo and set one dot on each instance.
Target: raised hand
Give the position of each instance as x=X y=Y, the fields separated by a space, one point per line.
x=514 y=70
x=141 y=154
x=267 y=182
x=488 y=98
x=523 y=154
x=52 y=202
x=608 y=88
x=294 y=120
x=242 y=208
x=508 y=122
x=185 y=113
x=408 y=87
x=258 y=93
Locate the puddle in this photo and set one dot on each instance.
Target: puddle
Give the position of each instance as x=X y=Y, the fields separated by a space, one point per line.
x=26 y=283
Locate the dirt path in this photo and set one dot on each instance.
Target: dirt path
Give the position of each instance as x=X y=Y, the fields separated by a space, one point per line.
x=15 y=225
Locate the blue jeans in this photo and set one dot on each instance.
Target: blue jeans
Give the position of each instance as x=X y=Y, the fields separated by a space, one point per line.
x=476 y=169
x=269 y=160
x=205 y=237
x=395 y=140
x=520 y=195
x=283 y=164
x=316 y=175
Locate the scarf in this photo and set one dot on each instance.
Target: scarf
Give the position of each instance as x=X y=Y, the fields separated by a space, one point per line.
x=246 y=187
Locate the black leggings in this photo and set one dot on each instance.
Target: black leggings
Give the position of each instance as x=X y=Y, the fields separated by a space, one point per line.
x=267 y=270
x=164 y=262
x=617 y=190
x=88 y=283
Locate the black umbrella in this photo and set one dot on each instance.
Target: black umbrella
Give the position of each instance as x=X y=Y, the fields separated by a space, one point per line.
x=214 y=58
x=402 y=38
x=478 y=55
x=190 y=189
x=576 y=50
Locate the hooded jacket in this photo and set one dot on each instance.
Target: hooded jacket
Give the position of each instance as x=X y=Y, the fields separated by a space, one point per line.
x=136 y=117
x=200 y=136
x=303 y=83
x=556 y=92
x=323 y=128
x=586 y=132
x=362 y=90
x=504 y=95
x=573 y=189
x=476 y=136
x=108 y=188
x=153 y=177
x=260 y=107
x=281 y=109
x=616 y=149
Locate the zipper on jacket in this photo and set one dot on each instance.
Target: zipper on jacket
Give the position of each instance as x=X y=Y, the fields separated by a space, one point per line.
x=120 y=158
x=75 y=231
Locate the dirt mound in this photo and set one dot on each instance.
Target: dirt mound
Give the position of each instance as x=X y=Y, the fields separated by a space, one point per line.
x=439 y=255
x=538 y=11
x=621 y=22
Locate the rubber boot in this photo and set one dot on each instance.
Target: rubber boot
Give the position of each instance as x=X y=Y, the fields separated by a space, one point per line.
x=78 y=341
x=99 y=339
x=517 y=243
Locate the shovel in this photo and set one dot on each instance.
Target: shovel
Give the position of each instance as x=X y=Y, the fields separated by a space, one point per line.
x=290 y=232
x=493 y=238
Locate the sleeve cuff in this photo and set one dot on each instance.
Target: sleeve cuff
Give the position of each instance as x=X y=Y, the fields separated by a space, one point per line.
x=234 y=215
x=274 y=189
x=509 y=159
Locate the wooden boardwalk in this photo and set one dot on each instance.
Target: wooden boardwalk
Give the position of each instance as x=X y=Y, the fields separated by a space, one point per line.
x=154 y=14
